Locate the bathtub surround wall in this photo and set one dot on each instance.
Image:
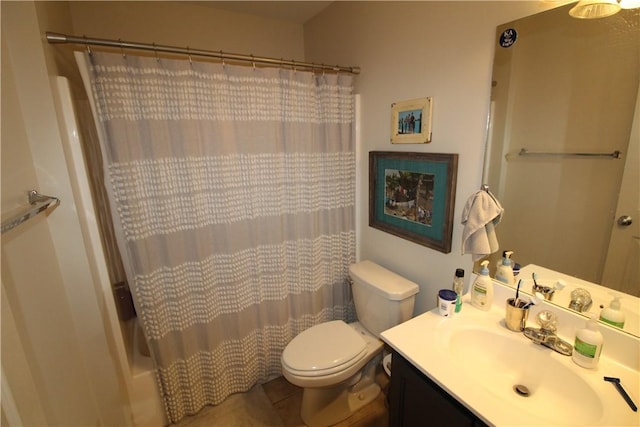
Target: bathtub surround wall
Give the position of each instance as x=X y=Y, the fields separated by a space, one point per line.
x=444 y=49
x=144 y=400
x=234 y=189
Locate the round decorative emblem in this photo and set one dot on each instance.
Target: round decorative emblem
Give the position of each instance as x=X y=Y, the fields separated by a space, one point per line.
x=508 y=37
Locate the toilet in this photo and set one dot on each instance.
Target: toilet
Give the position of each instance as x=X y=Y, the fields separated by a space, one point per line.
x=335 y=362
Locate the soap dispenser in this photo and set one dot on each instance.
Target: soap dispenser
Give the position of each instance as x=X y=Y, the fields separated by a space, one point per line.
x=588 y=345
x=482 y=289
x=613 y=315
x=504 y=273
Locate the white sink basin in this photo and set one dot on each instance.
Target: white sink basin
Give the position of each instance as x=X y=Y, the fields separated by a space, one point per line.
x=512 y=361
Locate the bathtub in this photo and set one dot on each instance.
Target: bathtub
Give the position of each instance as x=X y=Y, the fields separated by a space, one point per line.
x=146 y=406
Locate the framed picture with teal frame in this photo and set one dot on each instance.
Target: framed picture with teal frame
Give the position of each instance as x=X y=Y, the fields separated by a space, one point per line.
x=412 y=195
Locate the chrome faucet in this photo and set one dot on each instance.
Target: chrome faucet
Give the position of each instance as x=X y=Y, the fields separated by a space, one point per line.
x=580 y=300
x=546 y=334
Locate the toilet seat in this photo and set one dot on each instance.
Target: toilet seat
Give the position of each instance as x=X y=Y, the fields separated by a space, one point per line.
x=324 y=349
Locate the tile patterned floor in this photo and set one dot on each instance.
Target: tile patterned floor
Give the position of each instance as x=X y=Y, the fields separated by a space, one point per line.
x=277 y=403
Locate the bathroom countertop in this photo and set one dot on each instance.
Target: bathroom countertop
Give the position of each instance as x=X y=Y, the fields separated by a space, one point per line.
x=419 y=340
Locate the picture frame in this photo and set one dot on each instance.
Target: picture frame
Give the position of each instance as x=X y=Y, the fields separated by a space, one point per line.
x=411 y=121
x=412 y=195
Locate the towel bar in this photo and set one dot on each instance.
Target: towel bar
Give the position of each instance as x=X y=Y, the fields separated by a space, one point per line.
x=614 y=155
x=39 y=203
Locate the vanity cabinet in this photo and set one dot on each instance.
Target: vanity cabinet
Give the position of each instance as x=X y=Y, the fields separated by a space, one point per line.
x=415 y=400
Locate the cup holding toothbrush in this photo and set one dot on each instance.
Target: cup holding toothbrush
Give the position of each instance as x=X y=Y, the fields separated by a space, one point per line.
x=516 y=314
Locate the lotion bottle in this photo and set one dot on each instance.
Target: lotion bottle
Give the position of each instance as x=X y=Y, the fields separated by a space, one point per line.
x=504 y=273
x=588 y=345
x=612 y=314
x=482 y=289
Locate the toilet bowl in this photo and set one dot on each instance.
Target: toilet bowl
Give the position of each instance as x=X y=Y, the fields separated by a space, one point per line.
x=386 y=364
x=336 y=369
x=336 y=362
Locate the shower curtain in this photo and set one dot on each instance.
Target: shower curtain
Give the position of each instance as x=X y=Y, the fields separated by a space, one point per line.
x=233 y=190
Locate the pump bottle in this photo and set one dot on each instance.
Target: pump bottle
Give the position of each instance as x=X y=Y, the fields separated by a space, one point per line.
x=588 y=345
x=613 y=315
x=482 y=289
x=504 y=273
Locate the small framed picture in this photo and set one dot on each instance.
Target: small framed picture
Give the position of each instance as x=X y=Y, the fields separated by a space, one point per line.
x=411 y=121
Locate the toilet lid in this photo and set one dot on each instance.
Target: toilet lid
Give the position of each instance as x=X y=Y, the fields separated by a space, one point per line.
x=323 y=349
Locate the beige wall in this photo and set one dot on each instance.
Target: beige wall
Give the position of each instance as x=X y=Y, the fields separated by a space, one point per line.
x=188 y=24
x=408 y=50
x=17 y=166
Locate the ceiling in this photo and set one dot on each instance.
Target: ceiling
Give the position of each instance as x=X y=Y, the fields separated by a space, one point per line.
x=297 y=12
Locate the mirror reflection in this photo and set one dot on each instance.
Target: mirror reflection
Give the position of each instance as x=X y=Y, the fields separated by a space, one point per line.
x=562 y=152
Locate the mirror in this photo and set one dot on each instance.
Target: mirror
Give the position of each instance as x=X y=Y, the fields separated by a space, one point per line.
x=562 y=150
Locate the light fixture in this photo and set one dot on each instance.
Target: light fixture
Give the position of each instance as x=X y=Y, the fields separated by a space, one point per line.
x=591 y=9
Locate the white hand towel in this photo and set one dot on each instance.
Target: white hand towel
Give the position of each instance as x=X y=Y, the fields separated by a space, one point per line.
x=480 y=216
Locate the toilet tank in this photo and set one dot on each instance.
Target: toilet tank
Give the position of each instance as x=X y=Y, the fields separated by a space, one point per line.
x=383 y=299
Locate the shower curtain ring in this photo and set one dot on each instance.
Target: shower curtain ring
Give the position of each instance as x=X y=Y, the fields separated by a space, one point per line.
x=156 y=52
x=253 y=62
x=293 y=64
x=189 y=55
x=222 y=57
x=87 y=44
x=124 y=55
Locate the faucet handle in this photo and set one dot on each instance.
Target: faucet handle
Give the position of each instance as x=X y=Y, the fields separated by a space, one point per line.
x=547 y=320
x=580 y=300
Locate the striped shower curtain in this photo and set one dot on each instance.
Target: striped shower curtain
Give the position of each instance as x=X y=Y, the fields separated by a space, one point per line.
x=232 y=190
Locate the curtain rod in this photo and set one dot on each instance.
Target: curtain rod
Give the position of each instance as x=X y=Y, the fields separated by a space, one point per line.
x=64 y=38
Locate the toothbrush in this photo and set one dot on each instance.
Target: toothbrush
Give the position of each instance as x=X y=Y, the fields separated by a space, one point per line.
x=534 y=276
x=535 y=299
x=518 y=290
x=560 y=285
